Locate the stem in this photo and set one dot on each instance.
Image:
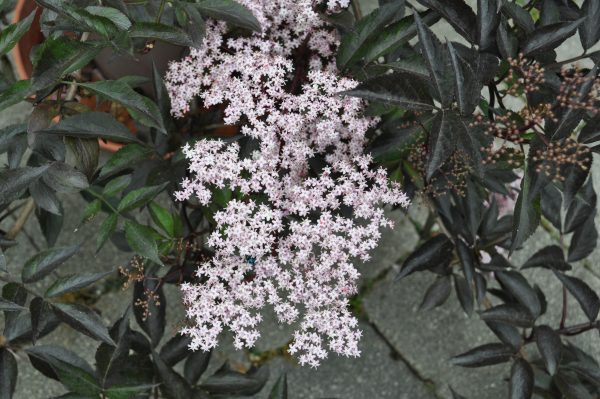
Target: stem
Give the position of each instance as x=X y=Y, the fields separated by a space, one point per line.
x=563 y=317
x=101 y=198
x=21 y=219
x=558 y=65
x=492 y=103
x=356 y=9
x=160 y=10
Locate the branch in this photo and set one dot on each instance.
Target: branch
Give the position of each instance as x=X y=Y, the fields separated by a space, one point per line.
x=21 y=219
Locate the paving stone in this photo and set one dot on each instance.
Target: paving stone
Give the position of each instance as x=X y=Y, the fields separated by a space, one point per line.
x=427 y=340
x=375 y=374
x=394 y=245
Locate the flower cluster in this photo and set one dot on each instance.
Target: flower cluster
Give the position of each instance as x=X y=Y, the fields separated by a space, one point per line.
x=307 y=202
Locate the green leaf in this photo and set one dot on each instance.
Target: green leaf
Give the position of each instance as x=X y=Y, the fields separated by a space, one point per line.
x=458 y=14
x=195 y=365
x=173 y=385
x=584 y=239
x=127 y=157
x=83 y=19
x=527 y=212
x=437 y=293
x=484 y=355
x=520 y=289
x=142 y=240
x=161 y=94
x=581 y=209
x=195 y=25
x=550 y=347
x=464 y=292
x=163 y=219
x=434 y=252
x=438 y=63
x=64 y=178
x=85 y=154
x=587 y=297
x=590 y=132
x=441 y=143
x=508 y=334
x=45 y=262
x=141 y=108
x=230 y=382
x=83 y=320
x=550 y=257
x=487 y=22
x=507 y=41
x=520 y=16
x=393 y=36
x=570 y=386
x=92 y=124
x=44 y=197
x=280 y=389
x=73 y=282
x=14 y=182
x=16 y=93
x=229 y=11
x=589 y=371
x=10 y=35
x=411 y=66
x=57 y=57
x=112 y=14
x=589 y=31
x=509 y=314
x=466 y=84
x=50 y=224
x=140 y=197
x=352 y=42
x=8 y=374
x=91 y=210
x=64 y=365
x=398 y=88
x=521 y=380
x=549 y=37
x=128 y=392
x=157 y=31
x=467 y=260
x=14 y=293
x=9 y=306
x=116 y=185
x=41 y=313
x=106 y=229
x=175 y=350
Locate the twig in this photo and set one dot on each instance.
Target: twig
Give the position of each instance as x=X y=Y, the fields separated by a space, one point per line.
x=21 y=219
x=563 y=317
x=558 y=65
x=160 y=10
x=356 y=9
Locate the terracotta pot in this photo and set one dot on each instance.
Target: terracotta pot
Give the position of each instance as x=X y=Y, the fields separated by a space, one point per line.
x=112 y=66
x=30 y=39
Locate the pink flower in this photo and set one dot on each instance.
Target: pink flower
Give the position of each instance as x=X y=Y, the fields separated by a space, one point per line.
x=311 y=201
